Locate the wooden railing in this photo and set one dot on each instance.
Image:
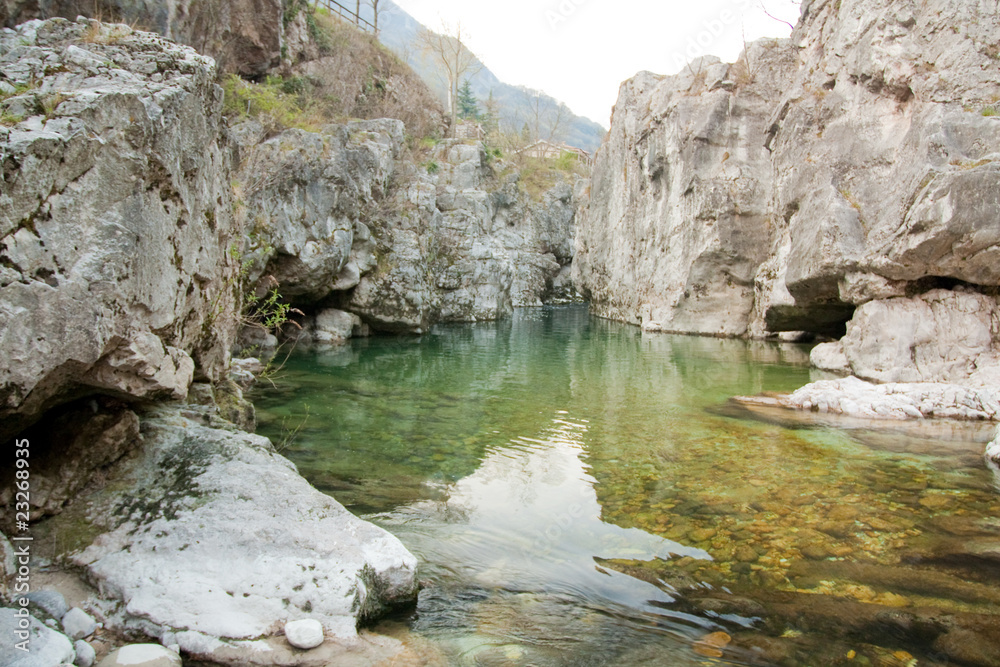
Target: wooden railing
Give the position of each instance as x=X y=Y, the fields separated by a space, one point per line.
x=352 y=15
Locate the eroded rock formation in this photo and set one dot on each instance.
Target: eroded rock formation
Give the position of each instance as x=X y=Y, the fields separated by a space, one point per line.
x=852 y=167
x=347 y=219
x=115 y=218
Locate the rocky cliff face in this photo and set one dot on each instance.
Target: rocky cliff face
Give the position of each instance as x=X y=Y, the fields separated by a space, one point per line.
x=245 y=37
x=347 y=221
x=851 y=166
x=115 y=218
x=120 y=290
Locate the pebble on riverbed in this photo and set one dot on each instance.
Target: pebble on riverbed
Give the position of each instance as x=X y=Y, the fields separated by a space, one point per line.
x=306 y=634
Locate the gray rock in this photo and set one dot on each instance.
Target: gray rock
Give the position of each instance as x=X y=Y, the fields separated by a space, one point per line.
x=335 y=326
x=142 y=655
x=78 y=624
x=46 y=647
x=85 y=654
x=993 y=449
x=830 y=172
x=117 y=221
x=305 y=634
x=940 y=336
x=244 y=39
x=248 y=547
x=52 y=602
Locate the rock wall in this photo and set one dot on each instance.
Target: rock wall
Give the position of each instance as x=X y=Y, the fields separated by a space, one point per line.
x=244 y=37
x=120 y=290
x=349 y=221
x=115 y=218
x=855 y=163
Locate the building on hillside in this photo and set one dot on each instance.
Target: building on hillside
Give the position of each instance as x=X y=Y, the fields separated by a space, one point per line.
x=547 y=150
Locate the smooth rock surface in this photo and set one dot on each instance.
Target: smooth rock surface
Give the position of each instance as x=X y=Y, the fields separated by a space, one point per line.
x=78 y=624
x=85 y=654
x=305 y=634
x=142 y=655
x=212 y=539
x=52 y=602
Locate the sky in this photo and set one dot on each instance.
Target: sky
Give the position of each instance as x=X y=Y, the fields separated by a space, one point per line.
x=580 y=51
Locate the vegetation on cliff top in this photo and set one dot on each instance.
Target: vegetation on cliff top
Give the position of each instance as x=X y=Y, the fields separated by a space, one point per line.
x=340 y=73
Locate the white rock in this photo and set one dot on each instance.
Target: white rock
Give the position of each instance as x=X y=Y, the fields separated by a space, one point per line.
x=253 y=547
x=993 y=449
x=830 y=357
x=47 y=647
x=78 y=624
x=85 y=654
x=305 y=634
x=142 y=655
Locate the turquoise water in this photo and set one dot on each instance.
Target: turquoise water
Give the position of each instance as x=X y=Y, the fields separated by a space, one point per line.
x=579 y=493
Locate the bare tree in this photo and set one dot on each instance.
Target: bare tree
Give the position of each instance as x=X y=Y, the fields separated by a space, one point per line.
x=545 y=118
x=456 y=60
x=375 y=11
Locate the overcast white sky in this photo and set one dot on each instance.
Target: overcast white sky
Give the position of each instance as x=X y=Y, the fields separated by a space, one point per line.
x=580 y=51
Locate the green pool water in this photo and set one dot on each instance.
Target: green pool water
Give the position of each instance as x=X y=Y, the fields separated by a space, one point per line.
x=579 y=493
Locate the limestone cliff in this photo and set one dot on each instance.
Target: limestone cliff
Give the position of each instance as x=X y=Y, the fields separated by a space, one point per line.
x=115 y=218
x=120 y=290
x=244 y=37
x=853 y=165
x=351 y=220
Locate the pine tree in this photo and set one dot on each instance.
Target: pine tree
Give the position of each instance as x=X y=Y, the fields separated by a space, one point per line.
x=468 y=106
x=491 y=115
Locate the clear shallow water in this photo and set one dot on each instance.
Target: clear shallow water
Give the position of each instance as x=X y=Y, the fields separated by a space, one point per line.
x=579 y=493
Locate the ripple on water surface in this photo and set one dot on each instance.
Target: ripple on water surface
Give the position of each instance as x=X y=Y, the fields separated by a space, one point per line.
x=580 y=493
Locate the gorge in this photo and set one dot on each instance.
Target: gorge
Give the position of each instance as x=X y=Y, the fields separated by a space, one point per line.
x=838 y=187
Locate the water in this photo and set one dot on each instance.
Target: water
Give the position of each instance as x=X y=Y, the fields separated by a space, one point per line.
x=579 y=493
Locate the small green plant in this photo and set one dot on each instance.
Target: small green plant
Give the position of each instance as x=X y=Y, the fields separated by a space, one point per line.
x=19 y=89
x=8 y=119
x=432 y=167
x=990 y=111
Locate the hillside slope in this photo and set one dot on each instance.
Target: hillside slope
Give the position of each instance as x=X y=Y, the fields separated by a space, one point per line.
x=399 y=31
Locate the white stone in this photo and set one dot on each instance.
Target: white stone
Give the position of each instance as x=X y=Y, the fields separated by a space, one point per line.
x=48 y=647
x=830 y=357
x=305 y=634
x=85 y=654
x=253 y=548
x=78 y=624
x=142 y=655
x=993 y=449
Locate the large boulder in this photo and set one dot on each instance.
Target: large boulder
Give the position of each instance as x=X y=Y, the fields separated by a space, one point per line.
x=116 y=222
x=210 y=540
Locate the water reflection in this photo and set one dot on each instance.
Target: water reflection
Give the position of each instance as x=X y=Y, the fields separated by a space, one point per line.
x=580 y=493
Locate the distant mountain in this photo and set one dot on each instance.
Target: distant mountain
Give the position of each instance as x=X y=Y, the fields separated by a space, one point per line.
x=519 y=105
